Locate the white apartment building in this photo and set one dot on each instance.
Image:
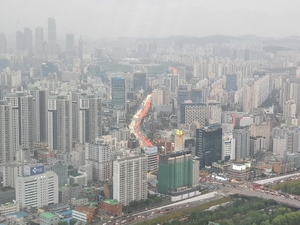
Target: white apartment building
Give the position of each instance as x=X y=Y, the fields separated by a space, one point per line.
x=254 y=94
x=41 y=115
x=214 y=113
x=228 y=146
x=130 y=179
x=158 y=96
x=38 y=190
x=196 y=167
x=289 y=109
x=23 y=129
x=10 y=173
x=98 y=154
x=6 y=133
x=261 y=130
x=279 y=146
x=89 y=118
x=60 y=123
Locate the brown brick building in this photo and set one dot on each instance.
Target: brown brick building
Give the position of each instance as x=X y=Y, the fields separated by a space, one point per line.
x=111 y=207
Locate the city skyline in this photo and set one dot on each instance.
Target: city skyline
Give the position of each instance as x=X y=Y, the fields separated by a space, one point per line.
x=98 y=19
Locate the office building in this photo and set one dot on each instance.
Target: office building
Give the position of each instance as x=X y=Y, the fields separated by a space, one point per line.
x=39 y=42
x=90 y=118
x=20 y=41
x=242 y=145
x=98 y=154
x=23 y=115
x=140 y=81
x=231 y=82
x=41 y=115
x=189 y=112
x=130 y=179
x=37 y=190
x=60 y=123
x=52 y=36
x=186 y=93
x=175 y=172
x=28 y=41
x=118 y=93
x=6 y=133
x=209 y=145
x=70 y=46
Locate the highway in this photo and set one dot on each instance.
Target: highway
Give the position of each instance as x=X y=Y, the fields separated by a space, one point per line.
x=258 y=193
x=159 y=211
x=270 y=180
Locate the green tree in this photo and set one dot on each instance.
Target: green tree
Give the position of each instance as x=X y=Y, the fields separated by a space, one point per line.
x=72 y=221
x=267 y=222
x=63 y=223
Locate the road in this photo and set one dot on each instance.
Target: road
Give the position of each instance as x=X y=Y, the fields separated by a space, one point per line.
x=159 y=211
x=255 y=193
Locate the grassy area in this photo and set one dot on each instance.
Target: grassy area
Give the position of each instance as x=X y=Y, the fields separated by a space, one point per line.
x=289 y=184
x=184 y=212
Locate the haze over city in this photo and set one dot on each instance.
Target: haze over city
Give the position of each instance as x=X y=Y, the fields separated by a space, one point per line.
x=149 y=112
x=153 y=18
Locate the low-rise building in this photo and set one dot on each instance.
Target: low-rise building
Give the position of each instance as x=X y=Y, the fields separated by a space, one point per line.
x=9 y=208
x=221 y=165
x=85 y=213
x=47 y=218
x=238 y=171
x=79 y=178
x=111 y=207
x=281 y=168
x=66 y=193
x=79 y=201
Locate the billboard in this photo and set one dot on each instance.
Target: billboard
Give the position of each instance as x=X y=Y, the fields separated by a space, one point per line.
x=31 y=170
x=151 y=150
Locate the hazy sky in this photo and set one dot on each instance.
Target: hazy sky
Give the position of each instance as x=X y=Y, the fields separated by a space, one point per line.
x=154 y=18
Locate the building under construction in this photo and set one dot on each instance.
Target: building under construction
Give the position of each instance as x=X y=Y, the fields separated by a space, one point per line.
x=175 y=172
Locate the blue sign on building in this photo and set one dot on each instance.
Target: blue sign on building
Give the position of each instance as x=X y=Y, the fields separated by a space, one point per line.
x=35 y=170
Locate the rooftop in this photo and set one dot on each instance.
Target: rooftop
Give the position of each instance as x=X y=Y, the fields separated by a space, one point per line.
x=19 y=214
x=111 y=201
x=48 y=215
